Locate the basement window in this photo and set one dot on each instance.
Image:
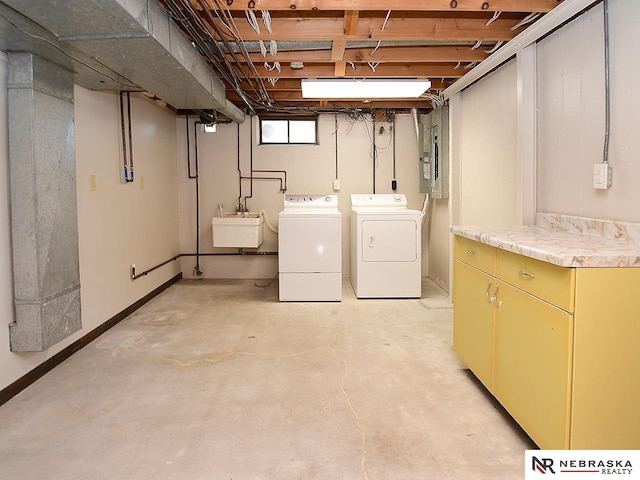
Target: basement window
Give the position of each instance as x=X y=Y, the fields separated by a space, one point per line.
x=288 y=130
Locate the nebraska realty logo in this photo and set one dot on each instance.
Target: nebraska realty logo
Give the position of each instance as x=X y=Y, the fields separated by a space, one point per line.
x=582 y=464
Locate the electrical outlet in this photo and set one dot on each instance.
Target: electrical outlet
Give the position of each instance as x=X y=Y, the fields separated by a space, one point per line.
x=602 y=176
x=336 y=185
x=92 y=183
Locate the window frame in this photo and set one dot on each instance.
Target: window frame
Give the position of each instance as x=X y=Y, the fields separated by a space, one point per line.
x=288 y=119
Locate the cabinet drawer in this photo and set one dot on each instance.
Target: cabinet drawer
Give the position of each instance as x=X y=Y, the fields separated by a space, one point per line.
x=544 y=280
x=479 y=255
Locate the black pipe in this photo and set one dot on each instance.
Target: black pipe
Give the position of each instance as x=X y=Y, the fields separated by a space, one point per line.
x=135 y=276
x=188 y=149
x=394 y=183
x=373 y=116
x=126 y=163
x=239 y=170
x=250 y=163
x=282 y=188
x=335 y=121
x=196 y=269
x=130 y=137
x=124 y=141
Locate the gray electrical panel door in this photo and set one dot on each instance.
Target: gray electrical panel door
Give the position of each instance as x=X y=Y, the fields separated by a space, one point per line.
x=434 y=161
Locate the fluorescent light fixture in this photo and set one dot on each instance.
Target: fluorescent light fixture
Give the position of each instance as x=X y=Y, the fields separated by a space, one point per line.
x=366 y=88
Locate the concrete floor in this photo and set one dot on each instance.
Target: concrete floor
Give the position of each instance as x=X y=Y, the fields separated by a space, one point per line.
x=218 y=380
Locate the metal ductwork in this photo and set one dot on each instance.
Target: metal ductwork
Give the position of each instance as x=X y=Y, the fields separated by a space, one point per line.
x=116 y=45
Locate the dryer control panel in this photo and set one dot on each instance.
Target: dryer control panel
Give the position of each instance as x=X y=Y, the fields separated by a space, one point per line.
x=379 y=200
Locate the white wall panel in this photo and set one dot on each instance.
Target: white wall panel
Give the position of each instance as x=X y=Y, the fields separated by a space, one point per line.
x=571 y=115
x=488 y=149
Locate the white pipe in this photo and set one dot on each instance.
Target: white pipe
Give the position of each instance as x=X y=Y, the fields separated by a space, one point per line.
x=425 y=205
x=556 y=17
x=266 y=220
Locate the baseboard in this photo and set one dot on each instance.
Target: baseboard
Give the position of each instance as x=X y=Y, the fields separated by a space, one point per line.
x=23 y=382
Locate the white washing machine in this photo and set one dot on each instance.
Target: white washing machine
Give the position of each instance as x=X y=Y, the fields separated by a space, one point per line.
x=385 y=247
x=310 y=248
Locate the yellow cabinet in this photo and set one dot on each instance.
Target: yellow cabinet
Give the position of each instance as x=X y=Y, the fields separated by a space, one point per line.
x=605 y=412
x=473 y=322
x=558 y=347
x=532 y=364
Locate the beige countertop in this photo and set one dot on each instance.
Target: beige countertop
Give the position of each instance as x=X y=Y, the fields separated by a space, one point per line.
x=565 y=241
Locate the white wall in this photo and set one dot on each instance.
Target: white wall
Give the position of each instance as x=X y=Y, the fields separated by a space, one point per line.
x=118 y=224
x=310 y=169
x=487 y=146
x=571 y=115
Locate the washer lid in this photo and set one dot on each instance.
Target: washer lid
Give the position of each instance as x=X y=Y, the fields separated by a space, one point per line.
x=379 y=200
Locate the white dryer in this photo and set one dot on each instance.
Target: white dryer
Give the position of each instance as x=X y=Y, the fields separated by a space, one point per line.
x=385 y=247
x=310 y=248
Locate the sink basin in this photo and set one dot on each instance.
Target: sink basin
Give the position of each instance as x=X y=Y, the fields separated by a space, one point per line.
x=239 y=230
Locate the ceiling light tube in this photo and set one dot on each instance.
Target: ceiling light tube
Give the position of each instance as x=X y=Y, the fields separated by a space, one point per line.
x=366 y=88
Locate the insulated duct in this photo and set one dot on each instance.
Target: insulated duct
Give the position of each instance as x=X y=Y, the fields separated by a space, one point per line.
x=131 y=39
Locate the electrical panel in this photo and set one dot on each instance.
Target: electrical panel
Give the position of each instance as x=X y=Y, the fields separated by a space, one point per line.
x=434 y=165
x=424 y=140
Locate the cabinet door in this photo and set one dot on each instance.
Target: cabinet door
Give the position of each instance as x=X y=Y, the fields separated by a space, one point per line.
x=473 y=320
x=533 y=341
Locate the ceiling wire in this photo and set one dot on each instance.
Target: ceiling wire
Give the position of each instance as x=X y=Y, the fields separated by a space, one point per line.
x=526 y=20
x=494 y=18
x=495 y=47
x=384 y=24
x=196 y=28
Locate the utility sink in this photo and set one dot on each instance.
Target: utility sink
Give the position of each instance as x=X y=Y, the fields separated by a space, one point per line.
x=239 y=230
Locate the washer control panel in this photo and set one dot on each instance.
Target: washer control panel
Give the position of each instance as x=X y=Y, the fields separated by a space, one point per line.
x=311 y=201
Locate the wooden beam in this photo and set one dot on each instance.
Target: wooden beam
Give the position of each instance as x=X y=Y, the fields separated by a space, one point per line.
x=419 y=29
x=340 y=69
x=361 y=71
x=337 y=51
x=421 y=103
x=384 y=5
x=418 y=54
x=351 y=22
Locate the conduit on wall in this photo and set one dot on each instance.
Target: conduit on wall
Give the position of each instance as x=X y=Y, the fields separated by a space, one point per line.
x=194 y=175
x=282 y=179
x=126 y=125
x=196 y=269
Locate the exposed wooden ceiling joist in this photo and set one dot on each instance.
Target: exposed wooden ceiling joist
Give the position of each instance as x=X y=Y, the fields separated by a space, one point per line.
x=423 y=29
x=430 y=54
x=404 y=5
x=383 y=70
x=441 y=40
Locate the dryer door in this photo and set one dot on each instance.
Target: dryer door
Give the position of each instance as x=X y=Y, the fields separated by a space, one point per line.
x=389 y=241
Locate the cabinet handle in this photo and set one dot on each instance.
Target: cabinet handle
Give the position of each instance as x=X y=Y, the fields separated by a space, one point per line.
x=489 y=297
x=371 y=240
x=526 y=274
x=471 y=252
x=495 y=296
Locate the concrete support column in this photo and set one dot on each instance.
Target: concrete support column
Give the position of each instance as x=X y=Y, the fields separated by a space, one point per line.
x=43 y=203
